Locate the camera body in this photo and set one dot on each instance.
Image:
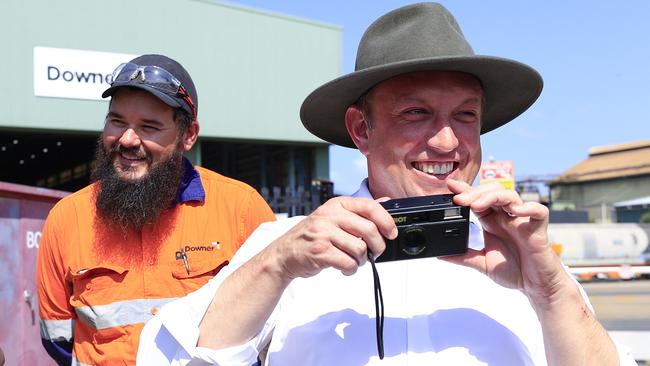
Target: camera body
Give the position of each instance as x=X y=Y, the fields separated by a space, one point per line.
x=428 y=226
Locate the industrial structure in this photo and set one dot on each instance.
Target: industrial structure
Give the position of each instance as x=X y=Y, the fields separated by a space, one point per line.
x=611 y=174
x=252 y=69
x=636 y=210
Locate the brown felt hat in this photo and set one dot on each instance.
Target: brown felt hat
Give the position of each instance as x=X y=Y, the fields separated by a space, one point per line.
x=419 y=37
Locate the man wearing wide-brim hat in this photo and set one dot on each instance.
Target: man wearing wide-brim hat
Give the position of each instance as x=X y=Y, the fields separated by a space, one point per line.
x=415 y=107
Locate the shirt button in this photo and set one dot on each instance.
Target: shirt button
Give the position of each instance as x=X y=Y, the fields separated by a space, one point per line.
x=151 y=262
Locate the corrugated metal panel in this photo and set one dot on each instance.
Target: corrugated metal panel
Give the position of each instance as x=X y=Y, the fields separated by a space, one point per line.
x=23 y=211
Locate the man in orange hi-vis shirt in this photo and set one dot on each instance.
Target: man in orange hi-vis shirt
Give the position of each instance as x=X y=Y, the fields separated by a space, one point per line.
x=149 y=229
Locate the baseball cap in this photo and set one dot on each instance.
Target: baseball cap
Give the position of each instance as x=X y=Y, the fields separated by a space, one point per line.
x=161 y=76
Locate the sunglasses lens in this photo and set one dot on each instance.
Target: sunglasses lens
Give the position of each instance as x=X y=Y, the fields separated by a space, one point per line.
x=154 y=77
x=161 y=79
x=123 y=72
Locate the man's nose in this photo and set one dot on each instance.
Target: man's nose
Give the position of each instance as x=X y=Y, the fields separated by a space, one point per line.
x=443 y=139
x=130 y=138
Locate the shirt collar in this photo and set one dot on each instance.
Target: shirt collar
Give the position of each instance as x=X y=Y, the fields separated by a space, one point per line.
x=363 y=190
x=191 y=188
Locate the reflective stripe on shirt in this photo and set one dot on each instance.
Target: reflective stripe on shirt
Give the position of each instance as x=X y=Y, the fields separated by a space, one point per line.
x=56 y=330
x=76 y=362
x=120 y=313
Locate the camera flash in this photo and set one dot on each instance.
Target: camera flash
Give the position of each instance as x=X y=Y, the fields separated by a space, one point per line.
x=452 y=213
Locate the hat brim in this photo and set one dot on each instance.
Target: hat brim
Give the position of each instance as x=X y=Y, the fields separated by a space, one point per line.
x=509 y=87
x=157 y=93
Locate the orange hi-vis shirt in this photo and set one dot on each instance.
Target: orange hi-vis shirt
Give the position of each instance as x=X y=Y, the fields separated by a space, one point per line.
x=101 y=302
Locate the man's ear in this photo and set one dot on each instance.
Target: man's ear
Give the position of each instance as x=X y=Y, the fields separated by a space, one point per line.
x=357 y=126
x=190 y=136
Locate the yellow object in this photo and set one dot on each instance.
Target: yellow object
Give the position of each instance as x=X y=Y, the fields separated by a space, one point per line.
x=557 y=248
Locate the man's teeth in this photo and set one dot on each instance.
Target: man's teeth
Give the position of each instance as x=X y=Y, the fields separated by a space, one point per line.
x=131 y=157
x=432 y=168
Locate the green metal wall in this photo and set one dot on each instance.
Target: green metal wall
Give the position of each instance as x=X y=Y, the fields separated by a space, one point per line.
x=598 y=197
x=252 y=68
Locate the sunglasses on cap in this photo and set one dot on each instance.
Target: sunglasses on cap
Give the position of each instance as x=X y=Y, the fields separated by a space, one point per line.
x=154 y=77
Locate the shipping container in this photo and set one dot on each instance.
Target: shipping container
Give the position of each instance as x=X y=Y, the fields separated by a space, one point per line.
x=23 y=210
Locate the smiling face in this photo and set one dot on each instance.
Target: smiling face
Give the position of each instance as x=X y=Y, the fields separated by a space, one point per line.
x=138 y=160
x=141 y=132
x=424 y=128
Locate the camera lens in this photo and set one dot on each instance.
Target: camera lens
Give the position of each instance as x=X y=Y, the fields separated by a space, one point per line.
x=414 y=241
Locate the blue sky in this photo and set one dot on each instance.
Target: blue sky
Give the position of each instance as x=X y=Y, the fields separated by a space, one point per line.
x=594 y=57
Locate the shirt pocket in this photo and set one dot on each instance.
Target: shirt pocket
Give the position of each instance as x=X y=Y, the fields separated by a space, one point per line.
x=94 y=285
x=200 y=268
x=95 y=291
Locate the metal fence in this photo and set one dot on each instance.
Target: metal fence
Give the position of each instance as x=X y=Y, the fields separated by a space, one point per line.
x=297 y=200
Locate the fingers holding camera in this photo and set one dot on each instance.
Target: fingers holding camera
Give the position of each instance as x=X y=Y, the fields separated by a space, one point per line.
x=486 y=199
x=533 y=210
x=350 y=253
x=515 y=233
x=502 y=211
x=372 y=211
x=338 y=234
x=366 y=223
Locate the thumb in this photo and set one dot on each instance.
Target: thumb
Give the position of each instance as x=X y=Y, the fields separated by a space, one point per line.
x=456 y=186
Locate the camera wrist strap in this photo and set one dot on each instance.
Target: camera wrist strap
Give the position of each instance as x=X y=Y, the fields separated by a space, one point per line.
x=379 y=308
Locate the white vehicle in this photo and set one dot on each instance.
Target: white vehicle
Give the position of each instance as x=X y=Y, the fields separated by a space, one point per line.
x=603 y=251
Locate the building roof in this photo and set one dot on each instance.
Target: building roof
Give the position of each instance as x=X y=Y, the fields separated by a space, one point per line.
x=635 y=202
x=609 y=162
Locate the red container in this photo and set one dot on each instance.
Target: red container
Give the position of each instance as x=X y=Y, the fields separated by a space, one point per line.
x=23 y=210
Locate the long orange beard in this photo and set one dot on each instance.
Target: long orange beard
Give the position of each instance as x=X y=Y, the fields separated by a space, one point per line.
x=126 y=248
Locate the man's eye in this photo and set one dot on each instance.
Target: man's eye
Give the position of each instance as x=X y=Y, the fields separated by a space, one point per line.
x=148 y=128
x=415 y=114
x=416 y=111
x=465 y=115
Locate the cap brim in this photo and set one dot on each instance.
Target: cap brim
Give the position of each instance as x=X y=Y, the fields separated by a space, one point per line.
x=509 y=87
x=172 y=102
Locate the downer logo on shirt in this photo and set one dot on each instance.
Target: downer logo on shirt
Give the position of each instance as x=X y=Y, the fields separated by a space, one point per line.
x=202 y=248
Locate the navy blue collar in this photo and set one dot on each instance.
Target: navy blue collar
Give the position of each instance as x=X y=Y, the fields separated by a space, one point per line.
x=191 y=188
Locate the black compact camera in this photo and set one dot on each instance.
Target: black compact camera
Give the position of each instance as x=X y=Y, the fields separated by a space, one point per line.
x=428 y=226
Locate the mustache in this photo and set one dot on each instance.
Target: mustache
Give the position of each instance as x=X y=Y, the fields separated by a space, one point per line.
x=118 y=148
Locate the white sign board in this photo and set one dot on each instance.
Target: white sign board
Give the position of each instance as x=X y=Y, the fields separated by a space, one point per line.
x=77 y=74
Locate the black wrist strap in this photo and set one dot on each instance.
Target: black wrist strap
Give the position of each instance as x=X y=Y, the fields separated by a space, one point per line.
x=379 y=308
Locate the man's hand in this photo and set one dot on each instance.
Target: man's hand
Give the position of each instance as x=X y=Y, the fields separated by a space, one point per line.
x=338 y=234
x=517 y=253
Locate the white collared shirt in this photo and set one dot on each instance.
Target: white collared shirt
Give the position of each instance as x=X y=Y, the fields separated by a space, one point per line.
x=436 y=312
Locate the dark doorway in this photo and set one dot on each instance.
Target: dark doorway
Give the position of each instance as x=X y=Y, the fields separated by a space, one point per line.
x=260 y=165
x=62 y=161
x=47 y=159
